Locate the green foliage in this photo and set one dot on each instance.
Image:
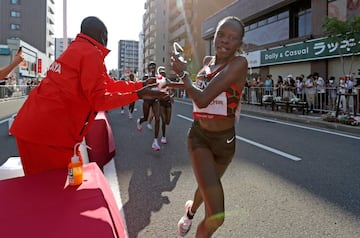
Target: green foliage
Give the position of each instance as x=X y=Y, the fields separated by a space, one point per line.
x=333 y=26
x=339 y=29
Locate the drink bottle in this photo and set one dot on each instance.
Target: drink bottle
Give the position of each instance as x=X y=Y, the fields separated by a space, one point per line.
x=177 y=49
x=75 y=170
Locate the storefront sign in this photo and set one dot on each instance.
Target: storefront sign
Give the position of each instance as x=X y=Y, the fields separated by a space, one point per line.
x=311 y=50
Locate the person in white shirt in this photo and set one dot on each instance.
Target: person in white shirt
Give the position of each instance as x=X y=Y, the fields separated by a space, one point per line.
x=310 y=91
x=349 y=89
x=320 y=90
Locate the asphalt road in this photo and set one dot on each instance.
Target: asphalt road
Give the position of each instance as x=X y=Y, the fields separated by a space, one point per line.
x=286 y=180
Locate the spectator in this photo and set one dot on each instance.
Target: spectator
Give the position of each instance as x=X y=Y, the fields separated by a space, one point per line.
x=310 y=91
x=299 y=88
x=18 y=58
x=269 y=84
x=6 y=70
x=320 y=91
x=349 y=85
x=278 y=89
x=253 y=90
x=341 y=92
x=331 y=91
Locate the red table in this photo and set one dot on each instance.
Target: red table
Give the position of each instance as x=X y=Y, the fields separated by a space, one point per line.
x=44 y=205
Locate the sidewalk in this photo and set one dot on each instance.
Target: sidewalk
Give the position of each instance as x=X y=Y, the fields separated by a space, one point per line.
x=313 y=119
x=10 y=106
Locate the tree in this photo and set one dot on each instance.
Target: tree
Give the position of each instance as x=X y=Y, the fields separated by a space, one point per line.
x=340 y=31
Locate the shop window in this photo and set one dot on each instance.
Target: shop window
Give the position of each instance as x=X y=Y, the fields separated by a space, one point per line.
x=304 y=23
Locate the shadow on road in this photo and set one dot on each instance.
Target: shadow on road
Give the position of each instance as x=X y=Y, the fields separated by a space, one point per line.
x=148 y=182
x=149 y=173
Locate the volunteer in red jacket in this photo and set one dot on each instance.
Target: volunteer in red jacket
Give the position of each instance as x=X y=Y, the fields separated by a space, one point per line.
x=60 y=110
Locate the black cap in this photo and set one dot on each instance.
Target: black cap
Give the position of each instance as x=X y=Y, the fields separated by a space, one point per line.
x=151 y=63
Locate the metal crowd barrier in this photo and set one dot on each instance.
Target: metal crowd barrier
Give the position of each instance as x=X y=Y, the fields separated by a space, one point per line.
x=14 y=91
x=327 y=100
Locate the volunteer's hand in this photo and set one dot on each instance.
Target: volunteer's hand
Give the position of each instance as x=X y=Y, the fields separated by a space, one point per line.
x=149 y=92
x=149 y=81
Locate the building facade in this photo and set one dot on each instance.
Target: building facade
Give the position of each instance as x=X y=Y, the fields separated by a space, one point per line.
x=27 y=24
x=141 y=68
x=128 y=56
x=169 y=21
x=285 y=37
x=155 y=32
x=29 y=21
x=59 y=46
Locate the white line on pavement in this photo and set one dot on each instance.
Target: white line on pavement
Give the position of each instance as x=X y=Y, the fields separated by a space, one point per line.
x=289 y=124
x=264 y=147
x=303 y=127
x=112 y=178
x=275 y=151
x=3 y=121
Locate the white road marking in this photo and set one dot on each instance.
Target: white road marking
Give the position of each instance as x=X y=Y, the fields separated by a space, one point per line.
x=186 y=118
x=288 y=124
x=264 y=147
x=3 y=121
x=112 y=178
x=303 y=127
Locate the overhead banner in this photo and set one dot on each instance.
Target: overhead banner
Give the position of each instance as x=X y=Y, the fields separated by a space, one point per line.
x=311 y=50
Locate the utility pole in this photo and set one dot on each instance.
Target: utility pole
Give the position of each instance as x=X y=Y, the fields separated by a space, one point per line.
x=65 y=24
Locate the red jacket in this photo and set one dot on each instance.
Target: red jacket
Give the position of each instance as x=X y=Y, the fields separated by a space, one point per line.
x=61 y=108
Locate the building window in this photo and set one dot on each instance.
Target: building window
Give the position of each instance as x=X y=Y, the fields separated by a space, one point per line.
x=15 y=14
x=14 y=26
x=268 y=30
x=304 y=22
x=15 y=2
x=283 y=15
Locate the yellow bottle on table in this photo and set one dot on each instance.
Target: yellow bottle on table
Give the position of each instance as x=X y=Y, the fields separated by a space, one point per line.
x=75 y=170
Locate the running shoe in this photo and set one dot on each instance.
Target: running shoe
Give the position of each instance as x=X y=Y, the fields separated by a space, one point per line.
x=185 y=222
x=138 y=125
x=155 y=145
x=163 y=140
x=149 y=126
x=122 y=112
x=130 y=115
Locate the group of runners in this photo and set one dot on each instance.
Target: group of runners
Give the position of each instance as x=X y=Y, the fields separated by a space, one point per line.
x=157 y=110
